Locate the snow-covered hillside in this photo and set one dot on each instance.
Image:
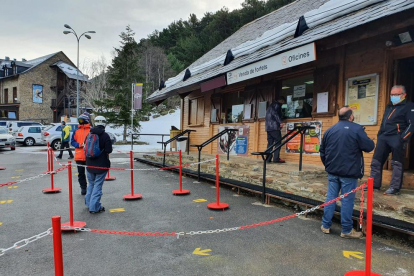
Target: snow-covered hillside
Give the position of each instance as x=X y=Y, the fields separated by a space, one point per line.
x=160 y=125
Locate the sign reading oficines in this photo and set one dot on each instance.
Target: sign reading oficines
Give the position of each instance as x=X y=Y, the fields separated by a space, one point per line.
x=300 y=55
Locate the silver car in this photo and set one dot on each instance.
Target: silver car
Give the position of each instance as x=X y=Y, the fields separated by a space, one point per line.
x=52 y=134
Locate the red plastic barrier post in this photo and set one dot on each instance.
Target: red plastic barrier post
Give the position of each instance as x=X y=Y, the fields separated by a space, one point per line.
x=368 y=238
x=109 y=178
x=57 y=246
x=52 y=188
x=217 y=205
x=181 y=191
x=132 y=196
x=68 y=226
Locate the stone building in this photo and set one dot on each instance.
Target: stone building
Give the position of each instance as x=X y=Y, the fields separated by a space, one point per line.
x=42 y=89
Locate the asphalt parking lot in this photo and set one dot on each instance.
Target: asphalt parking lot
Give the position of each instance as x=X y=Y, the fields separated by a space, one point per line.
x=292 y=247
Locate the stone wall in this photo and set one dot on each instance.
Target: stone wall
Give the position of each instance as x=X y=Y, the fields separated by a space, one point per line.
x=44 y=75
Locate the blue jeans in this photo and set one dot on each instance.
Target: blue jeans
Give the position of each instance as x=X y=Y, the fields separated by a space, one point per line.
x=344 y=184
x=94 y=191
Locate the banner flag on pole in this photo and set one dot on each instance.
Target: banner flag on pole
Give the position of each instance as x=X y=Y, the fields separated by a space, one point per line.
x=138 y=96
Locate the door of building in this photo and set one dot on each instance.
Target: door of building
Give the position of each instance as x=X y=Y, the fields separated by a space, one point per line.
x=404 y=75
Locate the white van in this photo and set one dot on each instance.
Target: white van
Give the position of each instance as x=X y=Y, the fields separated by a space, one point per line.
x=13 y=126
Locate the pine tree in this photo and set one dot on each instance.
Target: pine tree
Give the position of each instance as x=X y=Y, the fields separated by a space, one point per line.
x=122 y=73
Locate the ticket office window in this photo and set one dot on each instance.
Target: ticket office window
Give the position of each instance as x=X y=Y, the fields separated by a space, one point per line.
x=233 y=108
x=299 y=97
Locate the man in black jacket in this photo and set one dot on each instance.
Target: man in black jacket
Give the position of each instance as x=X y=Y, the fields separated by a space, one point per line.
x=341 y=153
x=273 y=126
x=395 y=132
x=96 y=176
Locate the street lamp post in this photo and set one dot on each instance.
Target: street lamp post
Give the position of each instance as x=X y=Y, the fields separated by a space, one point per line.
x=77 y=65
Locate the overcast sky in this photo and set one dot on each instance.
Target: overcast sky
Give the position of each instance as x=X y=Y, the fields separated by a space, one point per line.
x=31 y=29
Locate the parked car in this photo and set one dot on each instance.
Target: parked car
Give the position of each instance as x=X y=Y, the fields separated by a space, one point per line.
x=52 y=134
x=13 y=126
x=6 y=140
x=29 y=135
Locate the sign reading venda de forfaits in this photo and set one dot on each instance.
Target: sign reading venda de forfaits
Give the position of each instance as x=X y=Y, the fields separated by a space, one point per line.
x=297 y=56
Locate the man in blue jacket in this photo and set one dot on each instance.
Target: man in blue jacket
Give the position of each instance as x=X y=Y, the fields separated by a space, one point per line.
x=273 y=126
x=341 y=153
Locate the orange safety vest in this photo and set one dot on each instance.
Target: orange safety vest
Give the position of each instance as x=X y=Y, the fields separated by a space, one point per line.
x=80 y=137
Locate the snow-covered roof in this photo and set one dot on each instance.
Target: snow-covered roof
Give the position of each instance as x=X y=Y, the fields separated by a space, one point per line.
x=70 y=71
x=262 y=39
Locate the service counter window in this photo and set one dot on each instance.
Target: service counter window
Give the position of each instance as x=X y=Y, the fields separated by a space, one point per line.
x=233 y=108
x=299 y=97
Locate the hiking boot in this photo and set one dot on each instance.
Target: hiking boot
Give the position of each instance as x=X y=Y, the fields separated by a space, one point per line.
x=100 y=210
x=325 y=230
x=59 y=157
x=83 y=192
x=392 y=191
x=352 y=235
x=70 y=157
x=280 y=161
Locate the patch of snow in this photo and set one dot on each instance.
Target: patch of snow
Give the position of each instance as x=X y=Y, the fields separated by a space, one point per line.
x=160 y=125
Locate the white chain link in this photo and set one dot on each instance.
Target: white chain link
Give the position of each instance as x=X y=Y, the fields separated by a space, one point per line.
x=24 y=242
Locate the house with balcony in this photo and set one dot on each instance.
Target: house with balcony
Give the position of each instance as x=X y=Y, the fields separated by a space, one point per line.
x=42 y=89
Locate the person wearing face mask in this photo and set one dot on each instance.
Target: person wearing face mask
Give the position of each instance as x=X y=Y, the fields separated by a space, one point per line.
x=78 y=142
x=395 y=132
x=341 y=153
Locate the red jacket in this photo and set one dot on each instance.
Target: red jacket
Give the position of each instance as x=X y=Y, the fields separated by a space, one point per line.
x=78 y=141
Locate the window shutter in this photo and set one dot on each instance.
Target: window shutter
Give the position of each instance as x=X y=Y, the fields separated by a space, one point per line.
x=215 y=109
x=326 y=80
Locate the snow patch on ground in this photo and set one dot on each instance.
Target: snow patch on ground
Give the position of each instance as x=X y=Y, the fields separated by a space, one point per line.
x=160 y=125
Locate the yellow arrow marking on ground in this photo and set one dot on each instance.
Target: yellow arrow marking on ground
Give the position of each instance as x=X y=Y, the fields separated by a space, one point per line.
x=6 y=201
x=1 y=223
x=15 y=176
x=20 y=170
x=13 y=187
x=355 y=254
x=117 y=210
x=200 y=252
x=200 y=200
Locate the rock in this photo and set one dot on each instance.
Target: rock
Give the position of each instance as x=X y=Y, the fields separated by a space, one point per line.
x=155 y=116
x=407 y=211
x=255 y=168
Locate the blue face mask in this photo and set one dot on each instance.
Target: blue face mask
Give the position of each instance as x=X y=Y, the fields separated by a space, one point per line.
x=395 y=99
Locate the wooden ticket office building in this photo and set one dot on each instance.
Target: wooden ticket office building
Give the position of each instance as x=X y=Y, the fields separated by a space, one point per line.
x=353 y=59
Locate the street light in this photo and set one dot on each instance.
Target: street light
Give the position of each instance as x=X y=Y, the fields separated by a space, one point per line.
x=77 y=65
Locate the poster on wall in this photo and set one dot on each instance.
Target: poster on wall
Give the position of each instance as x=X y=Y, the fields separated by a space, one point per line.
x=37 y=93
x=312 y=138
x=362 y=97
x=236 y=141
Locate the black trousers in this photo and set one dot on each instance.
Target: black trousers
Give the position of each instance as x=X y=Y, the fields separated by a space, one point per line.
x=386 y=145
x=82 y=175
x=65 y=145
x=272 y=137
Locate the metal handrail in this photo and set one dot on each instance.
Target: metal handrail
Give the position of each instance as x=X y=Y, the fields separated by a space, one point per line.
x=138 y=134
x=269 y=151
x=187 y=131
x=201 y=146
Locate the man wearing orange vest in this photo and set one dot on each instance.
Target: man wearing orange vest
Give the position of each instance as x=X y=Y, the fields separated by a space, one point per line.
x=78 y=141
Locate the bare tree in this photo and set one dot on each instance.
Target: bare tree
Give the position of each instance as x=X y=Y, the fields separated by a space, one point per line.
x=96 y=86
